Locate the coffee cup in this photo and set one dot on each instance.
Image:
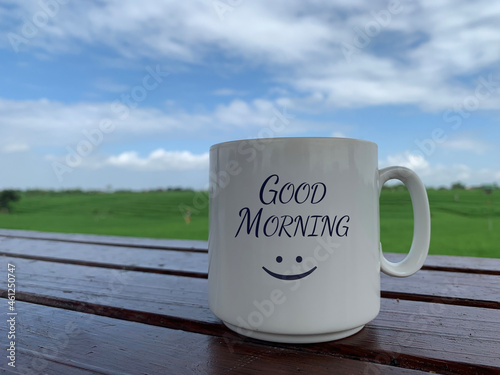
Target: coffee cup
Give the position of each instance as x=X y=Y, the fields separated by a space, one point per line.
x=294 y=240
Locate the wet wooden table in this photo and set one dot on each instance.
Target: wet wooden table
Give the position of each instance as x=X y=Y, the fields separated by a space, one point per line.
x=89 y=304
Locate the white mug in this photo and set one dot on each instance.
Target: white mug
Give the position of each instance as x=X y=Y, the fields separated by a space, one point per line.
x=294 y=243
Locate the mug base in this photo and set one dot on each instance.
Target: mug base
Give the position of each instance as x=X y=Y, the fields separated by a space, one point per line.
x=294 y=339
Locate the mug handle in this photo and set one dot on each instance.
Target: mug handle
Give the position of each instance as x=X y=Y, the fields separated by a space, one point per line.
x=422 y=222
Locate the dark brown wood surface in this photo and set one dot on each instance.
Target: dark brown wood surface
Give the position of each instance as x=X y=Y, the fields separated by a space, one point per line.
x=70 y=342
x=149 y=297
x=72 y=247
x=429 y=284
x=143 y=309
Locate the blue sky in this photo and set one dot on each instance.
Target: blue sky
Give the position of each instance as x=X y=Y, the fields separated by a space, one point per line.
x=167 y=79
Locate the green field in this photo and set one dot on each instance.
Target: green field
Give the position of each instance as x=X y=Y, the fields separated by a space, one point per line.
x=463 y=222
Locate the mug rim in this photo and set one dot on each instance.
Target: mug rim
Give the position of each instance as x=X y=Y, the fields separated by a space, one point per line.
x=269 y=140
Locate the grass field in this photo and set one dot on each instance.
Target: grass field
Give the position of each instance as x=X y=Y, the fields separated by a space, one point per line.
x=463 y=222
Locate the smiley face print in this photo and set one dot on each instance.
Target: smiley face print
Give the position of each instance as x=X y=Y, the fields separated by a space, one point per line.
x=279 y=259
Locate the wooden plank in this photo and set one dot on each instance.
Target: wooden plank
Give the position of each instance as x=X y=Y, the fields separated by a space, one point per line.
x=431 y=342
x=67 y=342
x=441 y=262
x=463 y=264
x=445 y=287
x=452 y=338
x=189 y=263
x=163 y=294
x=427 y=334
x=438 y=262
x=150 y=243
x=487 y=266
x=193 y=264
x=39 y=243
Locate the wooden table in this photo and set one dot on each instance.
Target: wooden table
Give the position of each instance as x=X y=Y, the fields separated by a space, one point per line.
x=91 y=304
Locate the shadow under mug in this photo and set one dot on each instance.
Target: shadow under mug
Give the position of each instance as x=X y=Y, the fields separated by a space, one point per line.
x=294 y=243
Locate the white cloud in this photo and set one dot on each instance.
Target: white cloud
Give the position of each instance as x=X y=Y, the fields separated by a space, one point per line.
x=439 y=174
x=426 y=47
x=159 y=160
x=31 y=123
x=338 y=135
x=467 y=144
x=105 y=84
x=241 y=113
x=229 y=92
x=50 y=123
x=409 y=160
x=428 y=55
x=9 y=148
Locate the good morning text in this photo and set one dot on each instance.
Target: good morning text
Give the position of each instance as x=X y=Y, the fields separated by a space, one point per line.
x=313 y=225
